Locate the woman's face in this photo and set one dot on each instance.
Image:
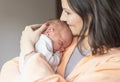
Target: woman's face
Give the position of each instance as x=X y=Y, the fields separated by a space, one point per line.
x=72 y=18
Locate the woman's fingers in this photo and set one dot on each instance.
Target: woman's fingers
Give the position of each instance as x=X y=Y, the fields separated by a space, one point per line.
x=35 y=26
x=42 y=29
x=32 y=32
x=38 y=28
x=27 y=28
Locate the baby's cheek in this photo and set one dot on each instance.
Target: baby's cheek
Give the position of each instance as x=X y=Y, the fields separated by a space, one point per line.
x=55 y=47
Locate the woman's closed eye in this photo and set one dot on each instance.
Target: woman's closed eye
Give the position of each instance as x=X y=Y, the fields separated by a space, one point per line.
x=66 y=12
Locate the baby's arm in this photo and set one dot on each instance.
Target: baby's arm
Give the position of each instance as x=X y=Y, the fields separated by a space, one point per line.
x=55 y=59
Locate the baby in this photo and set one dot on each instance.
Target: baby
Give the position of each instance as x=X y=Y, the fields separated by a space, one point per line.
x=52 y=43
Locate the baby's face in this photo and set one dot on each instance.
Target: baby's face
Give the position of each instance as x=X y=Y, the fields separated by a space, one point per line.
x=60 y=35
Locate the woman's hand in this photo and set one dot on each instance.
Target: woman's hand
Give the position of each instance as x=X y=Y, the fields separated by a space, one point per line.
x=30 y=36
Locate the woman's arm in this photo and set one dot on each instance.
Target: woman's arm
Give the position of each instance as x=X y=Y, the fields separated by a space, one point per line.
x=37 y=68
x=40 y=69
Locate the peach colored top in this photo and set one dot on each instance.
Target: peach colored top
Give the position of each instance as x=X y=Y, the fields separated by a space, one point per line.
x=104 y=68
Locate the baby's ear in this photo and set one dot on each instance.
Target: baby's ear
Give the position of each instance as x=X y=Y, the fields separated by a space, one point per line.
x=51 y=29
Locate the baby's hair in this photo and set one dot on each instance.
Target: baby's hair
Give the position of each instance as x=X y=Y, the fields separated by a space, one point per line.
x=61 y=23
x=57 y=21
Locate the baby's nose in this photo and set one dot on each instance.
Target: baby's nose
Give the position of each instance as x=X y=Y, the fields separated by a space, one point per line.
x=62 y=49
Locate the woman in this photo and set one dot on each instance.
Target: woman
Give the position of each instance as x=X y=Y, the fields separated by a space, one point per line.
x=95 y=25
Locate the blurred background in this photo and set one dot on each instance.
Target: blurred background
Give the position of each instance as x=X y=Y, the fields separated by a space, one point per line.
x=15 y=15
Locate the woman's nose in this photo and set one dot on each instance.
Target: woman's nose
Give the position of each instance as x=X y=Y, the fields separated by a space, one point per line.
x=63 y=17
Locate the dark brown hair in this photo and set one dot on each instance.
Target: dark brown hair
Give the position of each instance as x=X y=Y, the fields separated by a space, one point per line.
x=104 y=26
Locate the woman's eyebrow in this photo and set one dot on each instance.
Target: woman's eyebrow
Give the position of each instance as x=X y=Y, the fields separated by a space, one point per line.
x=65 y=9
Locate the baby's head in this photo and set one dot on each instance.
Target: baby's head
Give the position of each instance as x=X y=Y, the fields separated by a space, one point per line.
x=60 y=34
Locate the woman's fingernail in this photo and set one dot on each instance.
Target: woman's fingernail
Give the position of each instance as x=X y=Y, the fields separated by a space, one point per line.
x=47 y=24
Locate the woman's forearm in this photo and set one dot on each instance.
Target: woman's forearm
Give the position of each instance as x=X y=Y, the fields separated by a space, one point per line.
x=26 y=48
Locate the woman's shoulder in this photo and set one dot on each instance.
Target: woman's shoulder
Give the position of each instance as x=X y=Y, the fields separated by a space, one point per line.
x=109 y=61
x=110 y=56
x=101 y=62
x=102 y=68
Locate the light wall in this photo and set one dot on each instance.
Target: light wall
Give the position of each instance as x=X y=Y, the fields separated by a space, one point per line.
x=14 y=16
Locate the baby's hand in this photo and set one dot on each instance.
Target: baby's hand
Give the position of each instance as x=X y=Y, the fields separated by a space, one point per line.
x=43 y=57
x=60 y=54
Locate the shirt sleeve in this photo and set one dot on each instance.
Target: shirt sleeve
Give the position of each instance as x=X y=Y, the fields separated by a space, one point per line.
x=35 y=70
